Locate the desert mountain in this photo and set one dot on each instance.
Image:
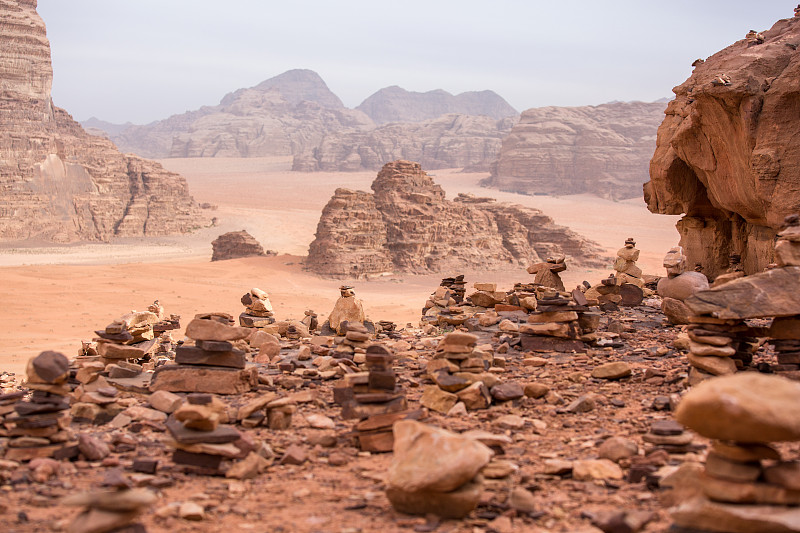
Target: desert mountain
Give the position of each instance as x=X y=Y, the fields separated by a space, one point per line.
x=602 y=150
x=58 y=182
x=407 y=225
x=728 y=151
x=280 y=116
x=395 y=104
x=448 y=141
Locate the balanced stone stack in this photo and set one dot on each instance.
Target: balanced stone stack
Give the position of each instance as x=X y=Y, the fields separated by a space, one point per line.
x=212 y=365
x=310 y=320
x=201 y=437
x=784 y=336
x=460 y=373
x=547 y=272
x=458 y=287
x=129 y=337
x=356 y=340
x=713 y=346
x=669 y=436
x=39 y=427
x=113 y=510
x=678 y=286
x=373 y=392
x=628 y=275
x=346 y=310
x=558 y=325
x=746 y=485
x=258 y=310
x=486 y=295
x=446 y=300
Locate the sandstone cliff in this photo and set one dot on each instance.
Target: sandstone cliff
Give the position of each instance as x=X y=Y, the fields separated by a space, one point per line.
x=449 y=141
x=56 y=181
x=407 y=225
x=602 y=150
x=728 y=151
x=280 y=116
x=395 y=104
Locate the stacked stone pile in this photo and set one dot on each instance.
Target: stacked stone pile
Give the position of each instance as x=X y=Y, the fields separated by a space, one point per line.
x=202 y=439
x=129 y=337
x=268 y=410
x=258 y=309
x=373 y=392
x=355 y=341
x=714 y=347
x=678 y=286
x=435 y=471
x=460 y=372
x=629 y=275
x=39 y=426
x=746 y=485
x=559 y=324
x=212 y=365
x=784 y=336
x=347 y=310
x=114 y=509
x=669 y=436
x=547 y=272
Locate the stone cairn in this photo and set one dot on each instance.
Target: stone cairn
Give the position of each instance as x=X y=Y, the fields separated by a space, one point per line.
x=628 y=275
x=460 y=374
x=374 y=398
x=714 y=347
x=347 y=310
x=129 y=337
x=784 y=332
x=39 y=426
x=746 y=484
x=258 y=311
x=201 y=437
x=355 y=341
x=113 y=509
x=444 y=307
x=669 y=436
x=678 y=286
x=559 y=324
x=547 y=272
x=212 y=365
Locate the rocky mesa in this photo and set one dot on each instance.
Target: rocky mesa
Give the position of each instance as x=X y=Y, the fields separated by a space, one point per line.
x=407 y=225
x=59 y=183
x=602 y=150
x=727 y=153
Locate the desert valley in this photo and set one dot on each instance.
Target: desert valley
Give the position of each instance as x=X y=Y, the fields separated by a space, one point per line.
x=429 y=312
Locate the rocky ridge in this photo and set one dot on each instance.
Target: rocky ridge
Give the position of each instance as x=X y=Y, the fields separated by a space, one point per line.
x=600 y=150
x=407 y=225
x=395 y=104
x=59 y=183
x=448 y=141
x=726 y=154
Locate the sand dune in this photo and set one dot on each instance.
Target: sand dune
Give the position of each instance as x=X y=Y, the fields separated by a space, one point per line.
x=55 y=296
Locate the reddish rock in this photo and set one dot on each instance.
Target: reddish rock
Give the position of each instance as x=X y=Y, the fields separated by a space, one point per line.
x=235 y=244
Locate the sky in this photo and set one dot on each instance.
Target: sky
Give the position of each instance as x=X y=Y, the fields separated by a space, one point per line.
x=144 y=60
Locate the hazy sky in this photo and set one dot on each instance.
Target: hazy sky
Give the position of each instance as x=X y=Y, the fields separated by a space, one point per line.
x=143 y=60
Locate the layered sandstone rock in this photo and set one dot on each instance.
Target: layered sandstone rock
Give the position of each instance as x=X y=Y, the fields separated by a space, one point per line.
x=602 y=150
x=56 y=181
x=235 y=244
x=395 y=104
x=728 y=152
x=449 y=141
x=280 y=116
x=407 y=225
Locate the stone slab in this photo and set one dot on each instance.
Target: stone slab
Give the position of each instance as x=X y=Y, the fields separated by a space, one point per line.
x=209 y=379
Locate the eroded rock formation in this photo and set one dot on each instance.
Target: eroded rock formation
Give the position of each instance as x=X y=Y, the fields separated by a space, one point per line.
x=56 y=181
x=601 y=150
x=449 y=141
x=407 y=225
x=395 y=104
x=235 y=244
x=728 y=151
x=279 y=116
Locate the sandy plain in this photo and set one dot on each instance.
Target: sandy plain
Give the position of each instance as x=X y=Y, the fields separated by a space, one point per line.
x=52 y=297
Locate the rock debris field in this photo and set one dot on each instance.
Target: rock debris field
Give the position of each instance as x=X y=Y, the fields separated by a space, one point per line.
x=528 y=409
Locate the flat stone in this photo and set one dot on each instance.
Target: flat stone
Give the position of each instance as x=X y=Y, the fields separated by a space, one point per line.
x=617 y=448
x=709 y=349
x=615 y=370
x=221 y=435
x=99 y=521
x=191 y=511
x=192 y=355
x=702 y=515
x=785 y=474
x=119 y=351
x=214 y=380
x=720 y=490
x=746 y=407
x=766 y=294
x=718 y=366
x=164 y=401
x=454 y=504
x=114 y=501
x=509 y=390
x=590 y=469
x=744 y=453
x=206 y=329
x=723 y=468
x=551 y=344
